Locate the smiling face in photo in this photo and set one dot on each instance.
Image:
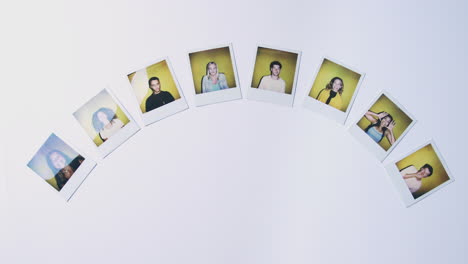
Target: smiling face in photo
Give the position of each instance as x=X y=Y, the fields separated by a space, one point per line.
x=337 y=85
x=385 y=121
x=212 y=69
x=275 y=70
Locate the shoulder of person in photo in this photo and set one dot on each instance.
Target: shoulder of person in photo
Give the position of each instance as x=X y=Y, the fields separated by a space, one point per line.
x=261 y=83
x=413 y=177
x=168 y=96
x=158 y=97
x=382 y=124
x=268 y=83
x=331 y=94
x=62 y=166
x=116 y=122
x=273 y=81
x=67 y=172
x=222 y=81
x=106 y=122
x=213 y=80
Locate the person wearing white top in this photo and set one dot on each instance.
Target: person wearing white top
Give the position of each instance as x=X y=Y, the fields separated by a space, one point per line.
x=111 y=128
x=413 y=177
x=106 y=123
x=273 y=82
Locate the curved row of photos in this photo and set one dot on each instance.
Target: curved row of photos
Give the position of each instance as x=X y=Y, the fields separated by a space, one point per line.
x=332 y=93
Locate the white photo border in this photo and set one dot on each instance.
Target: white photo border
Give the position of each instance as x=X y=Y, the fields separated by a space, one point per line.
x=326 y=110
x=120 y=136
x=371 y=145
x=167 y=110
x=269 y=96
x=78 y=177
x=230 y=94
x=400 y=185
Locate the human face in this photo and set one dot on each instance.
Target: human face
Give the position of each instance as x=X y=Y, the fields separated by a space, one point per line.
x=424 y=172
x=212 y=69
x=337 y=85
x=155 y=86
x=67 y=172
x=58 y=161
x=102 y=117
x=275 y=70
x=385 y=121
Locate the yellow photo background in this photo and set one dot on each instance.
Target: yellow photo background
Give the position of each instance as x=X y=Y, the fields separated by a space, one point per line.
x=139 y=82
x=422 y=156
x=84 y=115
x=222 y=57
x=328 y=71
x=265 y=56
x=402 y=120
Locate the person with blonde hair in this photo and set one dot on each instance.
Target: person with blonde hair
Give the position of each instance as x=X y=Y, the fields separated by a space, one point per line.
x=331 y=94
x=213 y=80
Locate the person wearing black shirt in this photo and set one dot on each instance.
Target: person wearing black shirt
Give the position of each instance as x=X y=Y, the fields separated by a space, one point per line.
x=158 y=98
x=64 y=174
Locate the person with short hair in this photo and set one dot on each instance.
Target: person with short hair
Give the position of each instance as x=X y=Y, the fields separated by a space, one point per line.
x=413 y=177
x=273 y=82
x=158 y=98
x=213 y=80
x=331 y=94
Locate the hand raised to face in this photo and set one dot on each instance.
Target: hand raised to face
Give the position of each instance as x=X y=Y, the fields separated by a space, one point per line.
x=421 y=174
x=382 y=115
x=391 y=125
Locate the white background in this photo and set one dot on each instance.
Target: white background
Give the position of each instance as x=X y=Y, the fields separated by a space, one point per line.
x=242 y=181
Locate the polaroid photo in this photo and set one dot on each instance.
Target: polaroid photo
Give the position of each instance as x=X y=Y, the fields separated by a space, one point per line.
x=382 y=126
x=419 y=174
x=106 y=122
x=334 y=90
x=61 y=166
x=157 y=91
x=274 y=77
x=214 y=74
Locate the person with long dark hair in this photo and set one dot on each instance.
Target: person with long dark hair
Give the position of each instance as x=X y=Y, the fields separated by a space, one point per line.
x=331 y=94
x=213 y=80
x=158 y=98
x=106 y=123
x=62 y=166
x=381 y=126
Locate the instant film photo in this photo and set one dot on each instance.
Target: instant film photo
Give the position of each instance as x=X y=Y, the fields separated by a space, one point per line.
x=61 y=166
x=274 y=77
x=106 y=122
x=382 y=126
x=419 y=174
x=157 y=91
x=214 y=74
x=334 y=89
